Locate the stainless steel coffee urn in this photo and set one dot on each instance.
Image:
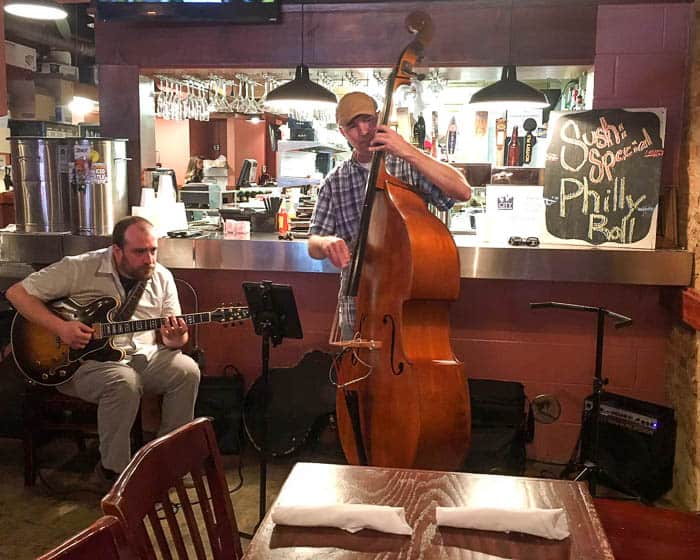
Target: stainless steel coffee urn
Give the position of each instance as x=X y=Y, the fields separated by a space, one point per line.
x=96 y=175
x=69 y=184
x=42 y=202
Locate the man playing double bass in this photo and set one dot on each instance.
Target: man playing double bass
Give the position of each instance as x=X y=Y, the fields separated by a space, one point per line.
x=346 y=229
x=336 y=217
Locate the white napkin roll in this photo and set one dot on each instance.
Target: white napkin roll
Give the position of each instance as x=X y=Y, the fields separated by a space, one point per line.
x=547 y=523
x=351 y=517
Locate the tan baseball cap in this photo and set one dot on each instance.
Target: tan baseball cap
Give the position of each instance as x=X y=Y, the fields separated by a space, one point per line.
x=352 y=105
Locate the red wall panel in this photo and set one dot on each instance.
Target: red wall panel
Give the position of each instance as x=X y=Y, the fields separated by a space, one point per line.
x=494 y=332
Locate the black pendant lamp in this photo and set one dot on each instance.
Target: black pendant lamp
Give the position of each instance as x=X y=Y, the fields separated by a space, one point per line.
x=301 y=92
x=509 y=93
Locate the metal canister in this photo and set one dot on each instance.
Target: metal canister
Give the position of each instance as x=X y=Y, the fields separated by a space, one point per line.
x=95 y=170
x=42 y=202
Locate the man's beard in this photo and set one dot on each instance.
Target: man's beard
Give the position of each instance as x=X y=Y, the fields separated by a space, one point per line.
x=145 y=273
x=141 y=273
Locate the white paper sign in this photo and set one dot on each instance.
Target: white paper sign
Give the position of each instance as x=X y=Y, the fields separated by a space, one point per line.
x=512 y=210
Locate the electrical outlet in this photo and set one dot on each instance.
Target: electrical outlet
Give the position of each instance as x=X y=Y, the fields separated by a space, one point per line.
x=217 y=147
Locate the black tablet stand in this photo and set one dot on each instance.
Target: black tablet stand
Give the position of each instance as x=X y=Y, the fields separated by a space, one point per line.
x=274 y=314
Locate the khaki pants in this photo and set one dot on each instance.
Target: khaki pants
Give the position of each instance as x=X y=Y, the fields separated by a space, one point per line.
x=116 y=388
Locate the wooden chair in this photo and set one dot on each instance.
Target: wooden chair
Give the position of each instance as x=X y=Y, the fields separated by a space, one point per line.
x=47 y=412
x=104 y=539
x=143 y=499
x=639 y=532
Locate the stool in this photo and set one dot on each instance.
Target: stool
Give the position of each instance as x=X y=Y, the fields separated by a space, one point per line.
x=48 y=412
x=640 y=532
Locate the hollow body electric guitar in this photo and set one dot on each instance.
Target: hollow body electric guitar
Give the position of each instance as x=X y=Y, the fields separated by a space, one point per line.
x=44 y=359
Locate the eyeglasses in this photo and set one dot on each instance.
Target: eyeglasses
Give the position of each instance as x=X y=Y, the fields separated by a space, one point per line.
x=529 y=241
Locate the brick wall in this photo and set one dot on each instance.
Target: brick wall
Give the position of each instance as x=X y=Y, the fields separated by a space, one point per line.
x=642 y=56
x=682 y=366
x=494 y=332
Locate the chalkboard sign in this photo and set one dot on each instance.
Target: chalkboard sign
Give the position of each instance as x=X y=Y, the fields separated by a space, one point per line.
x=602 y=175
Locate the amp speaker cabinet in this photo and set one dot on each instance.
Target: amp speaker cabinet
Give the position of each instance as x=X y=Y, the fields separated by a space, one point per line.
x=636 y=444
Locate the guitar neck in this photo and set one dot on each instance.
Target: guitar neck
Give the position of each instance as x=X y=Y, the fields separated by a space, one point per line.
x=104 y=330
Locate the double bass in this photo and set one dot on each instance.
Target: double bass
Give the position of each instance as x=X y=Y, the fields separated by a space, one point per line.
x=402 y=398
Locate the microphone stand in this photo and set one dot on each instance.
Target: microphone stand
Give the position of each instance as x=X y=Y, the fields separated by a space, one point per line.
x=591 y=469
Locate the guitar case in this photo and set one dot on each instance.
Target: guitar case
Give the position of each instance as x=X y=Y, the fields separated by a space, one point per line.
x=299 y=398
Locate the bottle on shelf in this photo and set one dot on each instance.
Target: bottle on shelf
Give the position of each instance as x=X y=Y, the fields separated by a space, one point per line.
x=419 y=132
x=8 y=178
x=500 y=141
x=514 y=149
x=451 y=137
x=282 y=220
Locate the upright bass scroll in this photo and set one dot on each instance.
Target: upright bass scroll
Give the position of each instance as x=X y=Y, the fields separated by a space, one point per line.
x=402 y=396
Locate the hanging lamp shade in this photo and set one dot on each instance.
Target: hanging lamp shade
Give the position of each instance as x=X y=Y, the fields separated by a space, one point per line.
x=300 y=93
x=46 y=10
x=509 y=92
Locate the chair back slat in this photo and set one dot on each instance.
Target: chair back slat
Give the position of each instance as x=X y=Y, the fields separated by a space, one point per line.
x=153 y=473
x=173 y=525
x=192 y=524
x=144 y=542
x=104 y=539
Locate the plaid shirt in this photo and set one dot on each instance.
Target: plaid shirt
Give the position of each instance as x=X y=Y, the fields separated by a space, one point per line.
x=338 y=209
x=338 y=212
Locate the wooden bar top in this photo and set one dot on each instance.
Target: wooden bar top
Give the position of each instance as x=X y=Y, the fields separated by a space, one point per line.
x=419 y=492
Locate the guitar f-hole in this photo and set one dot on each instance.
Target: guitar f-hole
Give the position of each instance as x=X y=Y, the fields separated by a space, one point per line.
x=394 y=369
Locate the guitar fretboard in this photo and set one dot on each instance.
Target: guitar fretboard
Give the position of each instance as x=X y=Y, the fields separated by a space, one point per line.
x=139 y=325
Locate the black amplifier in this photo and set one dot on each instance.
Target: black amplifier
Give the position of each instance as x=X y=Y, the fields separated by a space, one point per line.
x=636 y=444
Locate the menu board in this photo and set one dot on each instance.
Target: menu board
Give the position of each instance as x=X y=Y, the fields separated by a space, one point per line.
x=602 y=176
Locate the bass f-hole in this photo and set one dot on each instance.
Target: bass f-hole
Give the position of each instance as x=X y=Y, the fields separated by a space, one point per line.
x=394 y=369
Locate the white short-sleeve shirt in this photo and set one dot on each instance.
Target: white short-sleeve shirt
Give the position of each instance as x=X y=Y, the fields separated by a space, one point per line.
x=92 y=275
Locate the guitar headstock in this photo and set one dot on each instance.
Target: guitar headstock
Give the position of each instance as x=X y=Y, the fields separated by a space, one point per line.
x=230 y=314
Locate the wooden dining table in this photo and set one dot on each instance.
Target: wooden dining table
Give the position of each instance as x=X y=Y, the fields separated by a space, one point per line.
x=419 y=492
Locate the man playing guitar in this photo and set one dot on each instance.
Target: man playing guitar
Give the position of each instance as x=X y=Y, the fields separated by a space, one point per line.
x=127 y=271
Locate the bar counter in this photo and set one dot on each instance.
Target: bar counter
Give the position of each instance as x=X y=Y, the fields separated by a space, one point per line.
x=265 y=253
x=493 y=330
